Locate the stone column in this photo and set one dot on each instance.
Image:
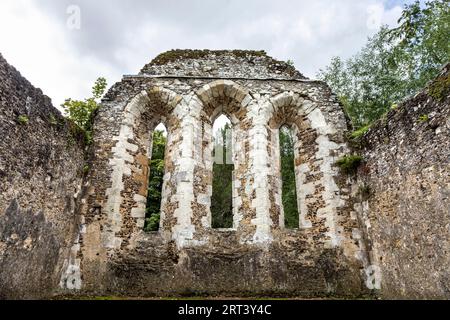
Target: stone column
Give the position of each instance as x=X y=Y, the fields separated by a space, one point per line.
x=177 y=217
x=258 y=173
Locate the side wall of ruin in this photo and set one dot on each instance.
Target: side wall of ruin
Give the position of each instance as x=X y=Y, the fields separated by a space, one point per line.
x=41 y=170
x=404 y=187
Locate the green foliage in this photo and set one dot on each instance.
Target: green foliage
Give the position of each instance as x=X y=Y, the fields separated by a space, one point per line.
x=424 y=118
x=86 y=169
x=152 y=223
x=290 y=62
x=357 y=134
x=156 y=178
x=394 y=63
x=99 y=88
x=23 y=119
x=221 y=201
x=81 y=112
x=222 y=197
x=349 y=164
x=289 y=191
x=422 y=41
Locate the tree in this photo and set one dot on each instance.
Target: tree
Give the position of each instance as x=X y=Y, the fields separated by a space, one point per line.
x=156 y=179
x=222 y=197
x=394 y=64
x=422 y=42
x=289 y=191
x=81 y=112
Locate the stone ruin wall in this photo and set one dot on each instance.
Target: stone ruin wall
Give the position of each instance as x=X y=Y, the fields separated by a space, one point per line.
x=258 y=256
x=41 y=168
x=68 y=230
x=405 y=198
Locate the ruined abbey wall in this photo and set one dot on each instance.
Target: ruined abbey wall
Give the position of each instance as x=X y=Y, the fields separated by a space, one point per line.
x=186 y=91
x=41 y=168
x=404 y=187
x=72 y=216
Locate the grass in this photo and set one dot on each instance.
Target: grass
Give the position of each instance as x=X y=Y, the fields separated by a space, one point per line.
x=211 y=298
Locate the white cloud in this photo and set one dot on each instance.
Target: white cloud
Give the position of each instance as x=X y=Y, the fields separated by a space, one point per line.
x=36 y=46
x=119 y=37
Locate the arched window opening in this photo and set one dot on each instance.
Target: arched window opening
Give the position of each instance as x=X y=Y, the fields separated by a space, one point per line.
x=288 y=181
x=223 y=167
x=156 y=179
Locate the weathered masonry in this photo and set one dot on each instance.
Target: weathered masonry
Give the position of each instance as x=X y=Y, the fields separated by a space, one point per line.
x=187 y=91
x=72 y=216
x=405 y=206
x=41 y=174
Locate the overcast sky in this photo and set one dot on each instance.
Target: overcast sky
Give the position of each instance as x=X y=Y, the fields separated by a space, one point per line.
x=118 y=37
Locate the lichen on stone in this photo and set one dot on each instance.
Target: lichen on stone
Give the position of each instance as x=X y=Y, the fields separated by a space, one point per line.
x=178 y=54
x=440 y=88
x=221 y=64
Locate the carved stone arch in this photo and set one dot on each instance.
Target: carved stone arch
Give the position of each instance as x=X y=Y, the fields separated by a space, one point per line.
x=228 y=98
x=130 y=163
x=314 y=161
x=163 y=100
x=154 y=105
x=224 y=96
x=290 y=108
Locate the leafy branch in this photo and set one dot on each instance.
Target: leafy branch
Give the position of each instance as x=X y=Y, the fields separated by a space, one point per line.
x=82 y=112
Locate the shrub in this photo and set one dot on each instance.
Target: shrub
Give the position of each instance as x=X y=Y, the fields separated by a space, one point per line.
x=82 y=112
x=349 y=164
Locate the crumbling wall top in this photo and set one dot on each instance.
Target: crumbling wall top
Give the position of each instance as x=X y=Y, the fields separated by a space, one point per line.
x=220 y=63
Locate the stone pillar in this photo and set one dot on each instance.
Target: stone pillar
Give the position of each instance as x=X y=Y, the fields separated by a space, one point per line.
x=258 y=173
x=129 y=161
x=177 y=218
